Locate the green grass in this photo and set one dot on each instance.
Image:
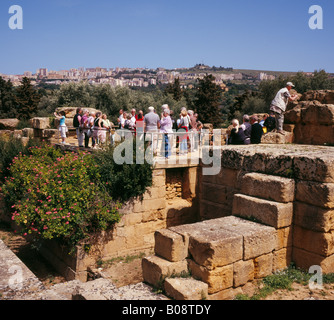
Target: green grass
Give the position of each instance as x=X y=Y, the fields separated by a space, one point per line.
x=126 y=259
x=283 y=281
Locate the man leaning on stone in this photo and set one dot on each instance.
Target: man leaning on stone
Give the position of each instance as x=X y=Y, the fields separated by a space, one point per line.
x=279 y=104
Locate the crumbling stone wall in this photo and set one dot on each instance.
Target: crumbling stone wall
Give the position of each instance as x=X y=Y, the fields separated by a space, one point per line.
x=311 y=119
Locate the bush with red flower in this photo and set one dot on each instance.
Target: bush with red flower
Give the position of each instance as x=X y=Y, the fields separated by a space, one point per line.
x=55 y=195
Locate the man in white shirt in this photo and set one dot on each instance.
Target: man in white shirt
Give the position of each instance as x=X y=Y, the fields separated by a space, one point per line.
x=279 y=104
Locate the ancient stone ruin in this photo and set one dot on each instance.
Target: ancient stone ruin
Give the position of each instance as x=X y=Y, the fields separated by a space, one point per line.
x=270 y=205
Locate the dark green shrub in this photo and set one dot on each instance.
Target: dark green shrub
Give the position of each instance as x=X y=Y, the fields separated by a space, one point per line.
x=124 y=181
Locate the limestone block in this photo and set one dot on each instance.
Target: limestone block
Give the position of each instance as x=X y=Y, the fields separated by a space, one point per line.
x=243 y=272
x=41 y=123
x=278 y=164
x=227 y=177
x=28 y=132
x=282 y=259
x=186 y=289
x=132 y=218
x=314 y=134
x=268 y=187
x=155 y=269
x=215 y=247
x=305 y=259
x=293 y=116
x=316 y=242
x=170 y=245
x=313 y=218
x=277 y=138
x=155 y=193
x=275 y=214
x=153 y=215
x=284 y=237
x=149 y=205
x=219 y=279
x=215 y=193
x=263 y=266
x=317 y=194
x=211 y=210
x=158 y=181
x=71 y=111
x=232 y=159
x=318 y=167
x=318 y=114
x=228 y=294
x=9 y=124
x=257 y=239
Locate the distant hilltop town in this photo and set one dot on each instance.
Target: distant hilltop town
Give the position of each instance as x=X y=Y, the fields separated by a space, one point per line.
x=141 y=77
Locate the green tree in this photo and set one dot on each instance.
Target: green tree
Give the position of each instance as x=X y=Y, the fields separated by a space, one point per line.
x=175 y=90
x=27 y=99
x=207 y=101
x=7 y=99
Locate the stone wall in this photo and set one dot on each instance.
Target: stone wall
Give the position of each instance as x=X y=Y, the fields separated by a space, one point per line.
x=312 y=118
x=135 y=232
x=290 y=189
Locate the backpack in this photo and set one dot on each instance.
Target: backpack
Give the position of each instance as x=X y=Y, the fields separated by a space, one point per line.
x=76 y=123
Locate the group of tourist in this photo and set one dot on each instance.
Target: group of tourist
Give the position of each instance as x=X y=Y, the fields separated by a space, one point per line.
x=96 y=126
x=92 y=125
x=252 y=130
x=151 y=124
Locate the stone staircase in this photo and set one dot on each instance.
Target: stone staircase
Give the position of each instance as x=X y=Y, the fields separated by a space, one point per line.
x=217 y=259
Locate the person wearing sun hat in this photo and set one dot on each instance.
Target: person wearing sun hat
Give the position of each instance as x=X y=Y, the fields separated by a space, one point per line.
x=279 y=104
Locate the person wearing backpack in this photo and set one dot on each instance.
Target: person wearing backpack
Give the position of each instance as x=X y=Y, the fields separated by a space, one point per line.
x=76 y=125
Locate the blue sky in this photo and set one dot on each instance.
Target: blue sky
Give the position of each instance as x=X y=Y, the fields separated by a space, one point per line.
x=258 y=34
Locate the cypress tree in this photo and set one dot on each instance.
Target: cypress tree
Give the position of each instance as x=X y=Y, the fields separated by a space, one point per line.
x=27 y=99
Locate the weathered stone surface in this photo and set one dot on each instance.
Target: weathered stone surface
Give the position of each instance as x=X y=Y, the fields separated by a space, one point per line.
x=28 y=132
x=228 y=294
x=318 y=114
x=257 y=239
x=219 y=279
x=313 y=218
x=217 y=193
x=319 y=168
x=186 y=289
x=317 y=194
x=263 y=266
x=9 y=124
x=211 y=210
x=155 y=269
x=316 y=242
x=277 y=138
x=268 y=187
x=41 y=123
x=71 y=111
x=282 y=259
x=275 y=214
x=305 y=259
x=215 y=248
x=170 y=245
x=284 y=237
x=312 y=134
x=323 y=96
x=243 y=272
x=15 y=278
x=293 y=116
